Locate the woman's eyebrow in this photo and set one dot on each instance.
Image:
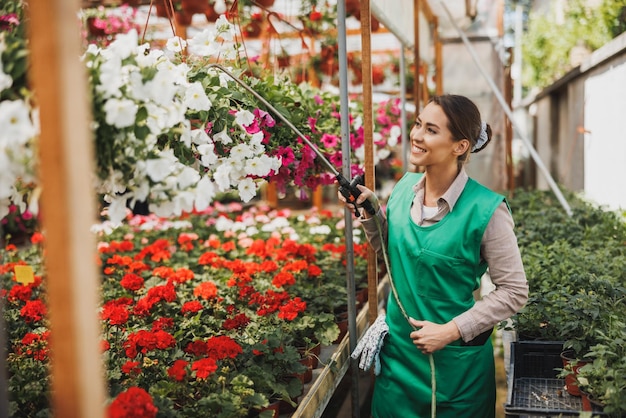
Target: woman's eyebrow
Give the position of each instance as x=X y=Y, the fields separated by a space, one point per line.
x=429 y=124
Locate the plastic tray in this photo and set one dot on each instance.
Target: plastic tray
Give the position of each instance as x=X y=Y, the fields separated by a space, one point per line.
x=542 y=396
x=534 y=389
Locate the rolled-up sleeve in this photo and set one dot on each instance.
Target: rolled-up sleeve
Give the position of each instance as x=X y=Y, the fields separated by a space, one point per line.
x=374 y=237
x=500 y=250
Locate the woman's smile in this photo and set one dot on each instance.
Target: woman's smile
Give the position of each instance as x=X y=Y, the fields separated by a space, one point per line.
x=415 y=149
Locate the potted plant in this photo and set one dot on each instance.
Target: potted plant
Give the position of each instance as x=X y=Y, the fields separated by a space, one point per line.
x=603 y=380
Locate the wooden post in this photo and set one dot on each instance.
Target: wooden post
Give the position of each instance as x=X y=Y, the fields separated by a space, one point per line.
x=368 y=133
x=508 y=127
x=418 y=60
x=318 y=197
x=438 y=58
x=68 y=208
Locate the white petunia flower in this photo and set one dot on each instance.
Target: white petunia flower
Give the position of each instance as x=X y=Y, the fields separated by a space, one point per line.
x=196 y=98
x=120 y=113
x=111 y=81
x=259 y=166
x=5 y=80
x=241 y=152
x=199 y=137
x=161 y=88
x=185 y=136
x=187 y=177
x=247 y=189
x=205 y=192
x=244 y=118
x=124 y=44
x=159 y=168
x=203 y=44
x=117 y=210
x=222 y=137
x=175 y=44
x=208 y=156
x=150 y=59
x=222 y=177
x=183 y=202
x=136 y=89
x=173 y=115
x=17 y=127
x=224 y=28
x=394 y=135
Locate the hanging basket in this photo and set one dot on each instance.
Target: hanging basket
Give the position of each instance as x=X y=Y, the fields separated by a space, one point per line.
x=183 y=18
x=264 y=3
x=211 y=14
x=284 y=61
x=252 y=29
x=352 y=7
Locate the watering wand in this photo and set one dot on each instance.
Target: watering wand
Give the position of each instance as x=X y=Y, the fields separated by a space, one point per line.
x=348 y=189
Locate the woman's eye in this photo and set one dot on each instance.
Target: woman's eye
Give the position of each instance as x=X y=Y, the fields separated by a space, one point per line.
x=431 y=131
x=417 y=123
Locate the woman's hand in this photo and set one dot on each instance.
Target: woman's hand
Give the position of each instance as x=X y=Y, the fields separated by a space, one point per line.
x=432 y=337
x=366 y=194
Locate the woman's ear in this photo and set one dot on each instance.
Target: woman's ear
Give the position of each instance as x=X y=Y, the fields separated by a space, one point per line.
x=461 y=146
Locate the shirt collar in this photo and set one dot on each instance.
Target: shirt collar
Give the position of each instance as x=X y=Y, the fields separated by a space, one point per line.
x=453 y=193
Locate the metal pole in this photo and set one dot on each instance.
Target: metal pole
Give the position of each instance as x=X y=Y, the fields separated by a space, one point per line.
x=509 y=114
x=345 y=149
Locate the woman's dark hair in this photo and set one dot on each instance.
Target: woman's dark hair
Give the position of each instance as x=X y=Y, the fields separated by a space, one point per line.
x=464 y=121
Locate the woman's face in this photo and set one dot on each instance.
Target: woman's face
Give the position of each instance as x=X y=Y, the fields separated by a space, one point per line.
x=431 y=141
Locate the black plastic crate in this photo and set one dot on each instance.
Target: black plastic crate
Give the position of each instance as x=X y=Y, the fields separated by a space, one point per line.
x=534 y=389
x=536 y=359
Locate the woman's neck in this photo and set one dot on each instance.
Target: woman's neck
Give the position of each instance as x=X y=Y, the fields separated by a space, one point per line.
x=437 y=181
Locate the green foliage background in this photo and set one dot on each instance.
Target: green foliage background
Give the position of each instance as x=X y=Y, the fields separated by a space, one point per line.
x=546 y=44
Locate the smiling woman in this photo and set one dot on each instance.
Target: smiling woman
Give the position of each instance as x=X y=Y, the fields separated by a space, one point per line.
x=450 y=229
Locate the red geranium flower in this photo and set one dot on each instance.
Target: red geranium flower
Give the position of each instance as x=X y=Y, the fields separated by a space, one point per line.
x=33 y=311
x=283 y=279
x=204 y=367
x=131 y=367
x=191 y=306
x=133 y=403
x=205 y=290
x=291 y=309
x=19 y=292
x=222 y=346
x=132 y=282
x=178 y=370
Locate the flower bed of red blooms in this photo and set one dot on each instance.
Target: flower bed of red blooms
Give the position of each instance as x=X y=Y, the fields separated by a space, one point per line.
x=201 y=316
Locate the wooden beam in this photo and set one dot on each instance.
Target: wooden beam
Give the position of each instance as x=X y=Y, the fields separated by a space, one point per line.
x=368 y=133
x=68 y=208
x=438 y=58
x=417 y=7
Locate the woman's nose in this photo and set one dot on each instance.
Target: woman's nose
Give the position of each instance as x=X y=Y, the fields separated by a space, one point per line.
x=415 y=133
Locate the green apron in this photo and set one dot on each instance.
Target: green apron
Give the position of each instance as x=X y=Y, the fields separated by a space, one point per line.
x=435 y=270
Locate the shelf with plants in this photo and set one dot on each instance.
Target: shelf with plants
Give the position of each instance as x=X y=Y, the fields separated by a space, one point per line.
x=576 y=269
x=212 y=312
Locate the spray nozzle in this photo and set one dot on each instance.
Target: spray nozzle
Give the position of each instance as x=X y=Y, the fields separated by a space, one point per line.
x=351 y=192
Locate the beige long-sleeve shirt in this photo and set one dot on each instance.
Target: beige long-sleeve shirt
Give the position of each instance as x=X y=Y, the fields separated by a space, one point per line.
x=498 y=248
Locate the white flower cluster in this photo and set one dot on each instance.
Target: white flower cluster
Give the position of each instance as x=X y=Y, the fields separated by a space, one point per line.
x=19 y=127
x=157 y=105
